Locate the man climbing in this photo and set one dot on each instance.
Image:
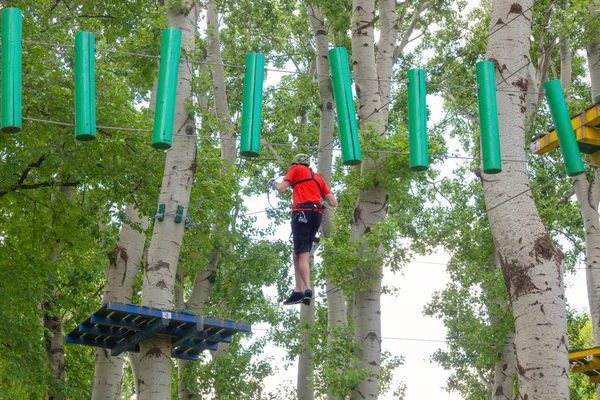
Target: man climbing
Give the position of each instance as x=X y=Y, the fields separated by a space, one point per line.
x=307 y=213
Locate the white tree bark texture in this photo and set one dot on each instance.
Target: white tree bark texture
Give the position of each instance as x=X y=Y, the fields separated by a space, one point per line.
x=336 y=303
x=588 y=197
x=124 y=261
x=305 y=380
x=163 y=254
x=531 y=264
x=204 y=279
x=504 y=371
x=373 y=93
x=593 y=51
x=505 y=368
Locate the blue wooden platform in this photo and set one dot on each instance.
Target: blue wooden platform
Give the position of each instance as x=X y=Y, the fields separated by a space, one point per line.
x=121 y=327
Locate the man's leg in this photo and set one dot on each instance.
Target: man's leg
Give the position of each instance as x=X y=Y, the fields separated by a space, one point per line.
x=302 y=270
x=297 y=274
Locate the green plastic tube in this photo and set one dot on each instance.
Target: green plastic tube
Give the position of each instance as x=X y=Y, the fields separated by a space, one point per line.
x=85 y=88
x=12 y=36
x=417 y=120
x=344 y=102
x=252 y=105
x=564 y=128
x=168 y=73
x=488 y=118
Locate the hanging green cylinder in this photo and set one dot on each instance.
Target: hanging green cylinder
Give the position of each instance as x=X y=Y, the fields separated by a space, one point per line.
x=417 y=120
x=12 y=38
x=344 y=102
x=166 y=91
x=564 y=128
x=488 y=118
x=252 y=105
x=85 y=87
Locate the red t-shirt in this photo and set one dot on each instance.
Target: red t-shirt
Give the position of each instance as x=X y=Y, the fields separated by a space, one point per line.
x=308 y=191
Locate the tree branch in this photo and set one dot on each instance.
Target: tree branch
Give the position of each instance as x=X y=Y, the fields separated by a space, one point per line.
x=409 y=31
x=463 y=110
x=29 y=167
x=566 y=197
x=274 y=152
x=97 y=16
x=546 y=53
x=38 y=185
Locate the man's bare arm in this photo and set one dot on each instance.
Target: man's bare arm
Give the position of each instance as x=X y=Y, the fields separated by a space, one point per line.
x=281 y=187
x=330 y=199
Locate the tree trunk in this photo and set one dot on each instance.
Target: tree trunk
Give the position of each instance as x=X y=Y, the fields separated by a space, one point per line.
x=588 y=197
x=163 y=253
x=531 y=264
x=52 y=321
x=504 y=370
x=203 y=281
x=593 y=51
x=219 y=89
x=372 y=91
x=305 y=382
x=336 y=306
x=506 y=366
x=55 y=350
x=183 y=390
x=124 y=262
x=566 y=64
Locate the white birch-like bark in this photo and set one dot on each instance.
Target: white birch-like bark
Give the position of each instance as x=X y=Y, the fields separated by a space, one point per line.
x=588 y=197
x=531 y=264
x=305 y=379
x=504 y=371
x=336 y=305
x=203 y=281
x=373 y=96
x=163 y=253
x=505 y=368
x=593 y=51
x=219 y=90
x=124 y=262
x=566 y=64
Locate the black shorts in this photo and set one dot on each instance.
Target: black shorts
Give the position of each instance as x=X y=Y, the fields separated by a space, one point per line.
x=305 y=225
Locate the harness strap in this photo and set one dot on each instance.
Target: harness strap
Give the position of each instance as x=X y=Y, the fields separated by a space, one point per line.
x=308 y=206
x=312 y=178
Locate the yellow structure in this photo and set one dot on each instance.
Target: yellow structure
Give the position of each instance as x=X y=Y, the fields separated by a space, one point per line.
x=586 y=125
x=586 y=361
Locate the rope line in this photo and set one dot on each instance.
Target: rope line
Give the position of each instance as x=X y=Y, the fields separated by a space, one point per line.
x=290 y=145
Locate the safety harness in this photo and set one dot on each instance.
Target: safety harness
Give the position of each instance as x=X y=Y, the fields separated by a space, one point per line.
x=310 y=206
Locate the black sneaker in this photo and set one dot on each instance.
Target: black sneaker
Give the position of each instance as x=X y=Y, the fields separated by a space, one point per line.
x=307 y=297
x=295 y=298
